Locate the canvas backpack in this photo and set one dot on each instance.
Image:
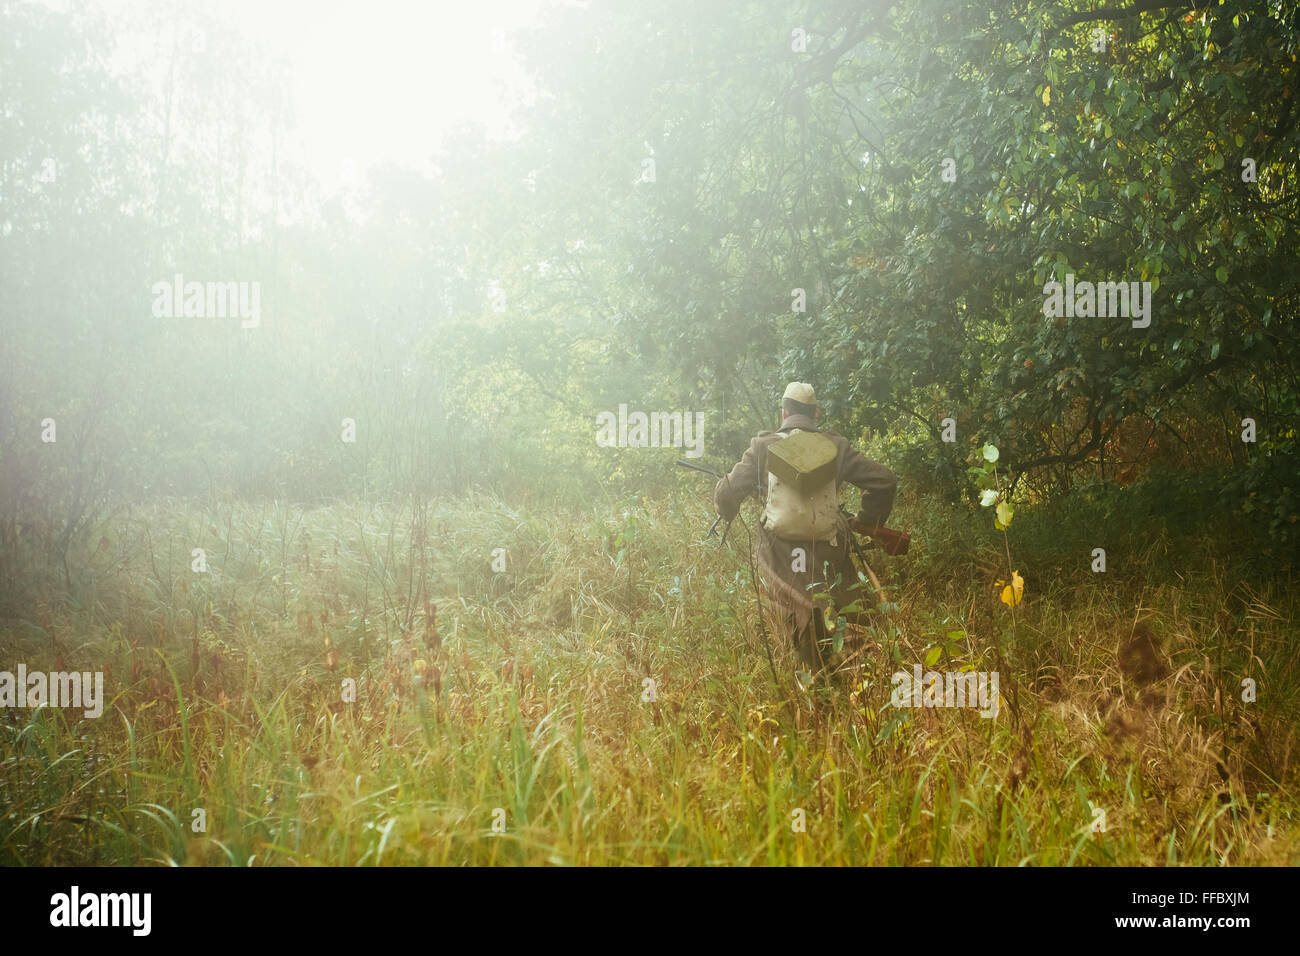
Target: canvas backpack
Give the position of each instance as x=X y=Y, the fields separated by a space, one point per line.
x=803 y=499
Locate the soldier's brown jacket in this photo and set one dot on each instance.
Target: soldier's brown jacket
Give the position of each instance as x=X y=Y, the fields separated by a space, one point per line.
x=775 y=555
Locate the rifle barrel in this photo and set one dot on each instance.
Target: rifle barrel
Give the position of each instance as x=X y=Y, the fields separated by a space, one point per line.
x=704 y=468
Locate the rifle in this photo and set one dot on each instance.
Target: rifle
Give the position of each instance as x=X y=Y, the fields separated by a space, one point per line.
x=713 y=528
x=890 y=541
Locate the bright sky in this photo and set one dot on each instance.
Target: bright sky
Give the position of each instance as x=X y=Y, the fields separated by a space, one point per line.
x=378 y=80
x=386 y=80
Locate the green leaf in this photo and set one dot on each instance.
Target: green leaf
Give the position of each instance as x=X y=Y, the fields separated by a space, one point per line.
x=932 y=656
x=988 y=497
x=990 y=453
x=1221 y=273
x=1005 y=511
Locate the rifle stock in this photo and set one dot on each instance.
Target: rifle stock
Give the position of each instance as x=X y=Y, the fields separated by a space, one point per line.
x=887 y=539
x=893 y=542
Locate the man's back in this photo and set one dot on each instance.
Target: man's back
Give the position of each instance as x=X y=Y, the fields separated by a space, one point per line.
x=815 y=570
x=877 y=482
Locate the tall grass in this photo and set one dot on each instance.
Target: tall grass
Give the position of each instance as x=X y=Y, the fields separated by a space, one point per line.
x=518 y=698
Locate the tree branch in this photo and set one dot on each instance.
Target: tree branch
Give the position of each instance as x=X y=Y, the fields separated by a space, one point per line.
x=1118 y=13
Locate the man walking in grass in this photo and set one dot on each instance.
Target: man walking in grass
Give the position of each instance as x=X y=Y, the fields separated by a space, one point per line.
x=803 y=539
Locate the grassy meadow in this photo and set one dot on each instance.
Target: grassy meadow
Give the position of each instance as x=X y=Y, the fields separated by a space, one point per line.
x=311 y=345
x=502 y=717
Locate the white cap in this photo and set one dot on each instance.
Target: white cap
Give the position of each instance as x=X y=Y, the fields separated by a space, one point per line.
x=800 y=392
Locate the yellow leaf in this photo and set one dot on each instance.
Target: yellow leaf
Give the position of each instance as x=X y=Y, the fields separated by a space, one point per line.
x=1047 y=96
x=1014 y=592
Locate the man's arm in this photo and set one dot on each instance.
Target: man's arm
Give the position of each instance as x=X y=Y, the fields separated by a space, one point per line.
x=732 y=489
x=878 y=486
